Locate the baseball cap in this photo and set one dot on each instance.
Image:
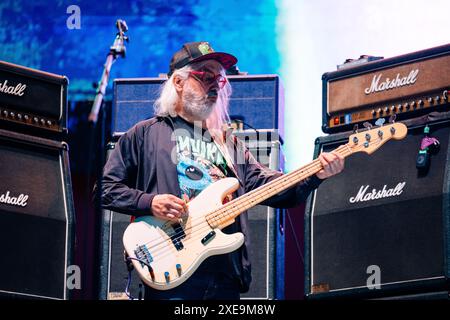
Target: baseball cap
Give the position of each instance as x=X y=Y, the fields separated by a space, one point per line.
x=199 y=51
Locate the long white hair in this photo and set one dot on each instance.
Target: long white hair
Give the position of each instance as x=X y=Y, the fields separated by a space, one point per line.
x=166 y=104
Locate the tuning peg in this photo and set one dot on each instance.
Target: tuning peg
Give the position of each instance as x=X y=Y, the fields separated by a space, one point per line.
x=355 y=128
x=380 y=122
x=392 y=118
x=367 y=125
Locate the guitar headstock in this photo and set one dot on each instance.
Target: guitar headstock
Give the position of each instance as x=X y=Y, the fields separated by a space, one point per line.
x=370 y=140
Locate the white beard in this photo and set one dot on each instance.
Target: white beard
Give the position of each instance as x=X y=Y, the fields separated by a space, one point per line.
x=197 y=106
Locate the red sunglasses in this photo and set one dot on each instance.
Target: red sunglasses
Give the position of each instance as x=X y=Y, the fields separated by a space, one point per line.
x=209 y=78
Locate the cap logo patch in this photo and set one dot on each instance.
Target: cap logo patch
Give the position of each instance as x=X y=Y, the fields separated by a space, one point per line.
x=204 y=48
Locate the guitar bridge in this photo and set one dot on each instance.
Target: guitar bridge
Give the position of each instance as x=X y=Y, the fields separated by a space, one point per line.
x=143 y=254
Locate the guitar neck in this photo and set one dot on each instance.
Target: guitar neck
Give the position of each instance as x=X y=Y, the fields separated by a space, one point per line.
x=232 y=209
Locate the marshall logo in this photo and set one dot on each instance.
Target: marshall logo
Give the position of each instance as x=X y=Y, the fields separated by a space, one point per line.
x=18 y=90
x=388 y=84
x=20 y=201
x=375 y=194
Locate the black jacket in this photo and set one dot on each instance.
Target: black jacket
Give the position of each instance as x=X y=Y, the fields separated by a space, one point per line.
x=140 y=167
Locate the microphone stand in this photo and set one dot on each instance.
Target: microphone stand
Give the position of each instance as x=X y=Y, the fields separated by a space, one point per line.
x=117 y=49
x=97 y=149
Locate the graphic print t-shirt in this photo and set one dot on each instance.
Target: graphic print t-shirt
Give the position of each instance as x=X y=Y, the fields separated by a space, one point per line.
x=200 y=163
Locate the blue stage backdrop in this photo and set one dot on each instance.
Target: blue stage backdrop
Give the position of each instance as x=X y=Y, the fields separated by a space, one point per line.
x=37 y=34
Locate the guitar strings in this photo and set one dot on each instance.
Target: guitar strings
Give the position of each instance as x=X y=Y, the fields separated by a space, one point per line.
x=222 y=212
x=287 y=177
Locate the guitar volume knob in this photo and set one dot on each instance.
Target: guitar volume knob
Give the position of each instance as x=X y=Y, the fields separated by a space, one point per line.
x=167 y=276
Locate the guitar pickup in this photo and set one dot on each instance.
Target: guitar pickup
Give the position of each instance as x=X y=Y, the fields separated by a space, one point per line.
x=177 y=236
x=208 y=237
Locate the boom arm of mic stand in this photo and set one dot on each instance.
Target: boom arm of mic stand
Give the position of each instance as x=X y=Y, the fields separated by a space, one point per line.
x=93 y=116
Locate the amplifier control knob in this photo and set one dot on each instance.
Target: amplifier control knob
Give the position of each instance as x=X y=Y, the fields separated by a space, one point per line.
x=420 y=103
x=373 y=112
x=26 y=117
x=406 y=106
x=386 y=109
x=413 y=104
x=392 y=109
x=5 y=113
x=43 y=122
x=19 y=116
x=12 y=114
x=437 y=99
x=49 y=123
x=400 y=107
x=379 y=111
x=430 y=100
x=35 y=120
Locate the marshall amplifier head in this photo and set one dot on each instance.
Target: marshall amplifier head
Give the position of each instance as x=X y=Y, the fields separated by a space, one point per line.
x=382 y=225
x=32 y=100
x=407 y=86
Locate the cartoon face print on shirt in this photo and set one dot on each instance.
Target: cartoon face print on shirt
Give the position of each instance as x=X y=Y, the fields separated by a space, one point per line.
x=199 y=161
x=192 y=174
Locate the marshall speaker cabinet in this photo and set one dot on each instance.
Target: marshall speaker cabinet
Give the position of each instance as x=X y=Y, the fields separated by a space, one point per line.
x=257 y=100
x=408 y=86
x=381 y=226
x=36 y=218
x=266 y=237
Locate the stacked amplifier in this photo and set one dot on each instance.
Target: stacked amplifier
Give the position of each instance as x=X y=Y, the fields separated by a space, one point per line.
x=36 y=207
x=396 y=244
